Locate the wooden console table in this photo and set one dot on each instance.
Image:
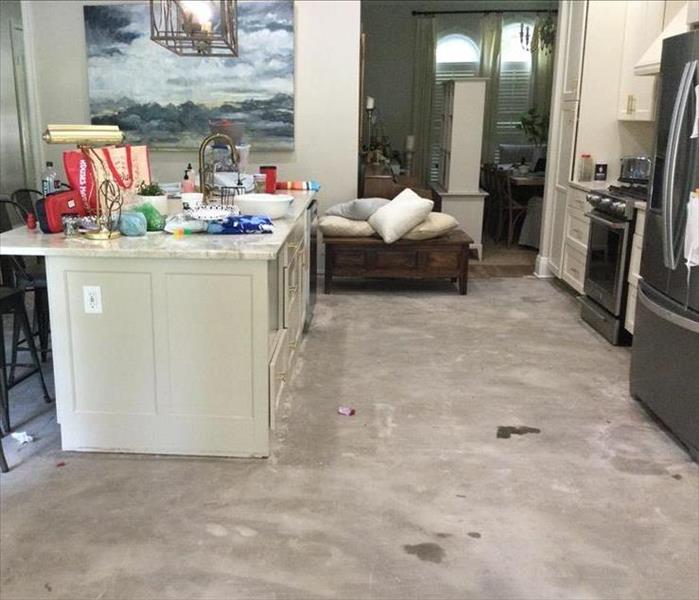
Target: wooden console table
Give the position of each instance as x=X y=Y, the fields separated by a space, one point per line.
x=445 y=257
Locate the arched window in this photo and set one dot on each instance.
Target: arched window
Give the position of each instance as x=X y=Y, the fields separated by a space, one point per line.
x=457 y=48
x=511 y=48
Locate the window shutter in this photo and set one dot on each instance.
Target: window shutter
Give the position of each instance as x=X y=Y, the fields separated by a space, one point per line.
x=513 y=100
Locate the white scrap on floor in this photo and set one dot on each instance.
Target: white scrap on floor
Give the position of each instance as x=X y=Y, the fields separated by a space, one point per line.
x=22 y=437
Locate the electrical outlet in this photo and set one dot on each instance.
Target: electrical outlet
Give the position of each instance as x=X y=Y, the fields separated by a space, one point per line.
x=92 y=299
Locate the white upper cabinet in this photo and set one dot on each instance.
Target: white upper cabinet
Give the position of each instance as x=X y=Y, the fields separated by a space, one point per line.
x=693 y=13
x=574 y=44
x=644 y=23
x=677 y=19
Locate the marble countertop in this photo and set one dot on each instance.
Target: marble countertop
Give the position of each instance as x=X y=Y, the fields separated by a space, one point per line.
x=589 y=186
x=22 y=241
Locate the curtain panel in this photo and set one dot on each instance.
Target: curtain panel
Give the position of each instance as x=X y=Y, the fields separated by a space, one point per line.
x=541 y=82
x=491 y=39
x=423 y=83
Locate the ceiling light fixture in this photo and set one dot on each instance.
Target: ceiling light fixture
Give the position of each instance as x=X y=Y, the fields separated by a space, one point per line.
x=195 y=27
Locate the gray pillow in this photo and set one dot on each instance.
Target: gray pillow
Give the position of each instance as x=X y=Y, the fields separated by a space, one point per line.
x=357 y=210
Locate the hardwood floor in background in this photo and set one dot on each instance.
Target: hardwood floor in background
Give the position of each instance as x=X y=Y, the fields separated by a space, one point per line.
x=501 y=261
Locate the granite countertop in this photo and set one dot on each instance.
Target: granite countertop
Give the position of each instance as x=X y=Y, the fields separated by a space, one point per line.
x=22 y=241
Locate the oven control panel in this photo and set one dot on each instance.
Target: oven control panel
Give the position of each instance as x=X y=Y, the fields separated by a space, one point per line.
x=617 y=207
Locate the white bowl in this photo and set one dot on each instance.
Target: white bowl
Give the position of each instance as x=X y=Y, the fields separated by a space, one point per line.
x=274 y=206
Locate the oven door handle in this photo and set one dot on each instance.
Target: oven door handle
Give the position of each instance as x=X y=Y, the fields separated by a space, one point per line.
x=607 y=222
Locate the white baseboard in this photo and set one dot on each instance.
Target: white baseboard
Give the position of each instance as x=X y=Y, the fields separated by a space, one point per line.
x=543 y=268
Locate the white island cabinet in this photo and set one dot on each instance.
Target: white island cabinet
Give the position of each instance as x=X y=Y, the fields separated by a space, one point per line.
x=188 y=342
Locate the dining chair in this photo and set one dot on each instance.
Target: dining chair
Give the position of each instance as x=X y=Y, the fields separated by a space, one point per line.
x=26 y=198
x=31 y=278
x=492 y=205
x=512 y=209
x=4 y=468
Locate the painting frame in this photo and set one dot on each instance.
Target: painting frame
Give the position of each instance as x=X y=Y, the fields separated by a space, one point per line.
x=170 y=102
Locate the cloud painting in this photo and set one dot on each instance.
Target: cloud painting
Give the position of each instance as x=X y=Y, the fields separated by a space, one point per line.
x=166 y=101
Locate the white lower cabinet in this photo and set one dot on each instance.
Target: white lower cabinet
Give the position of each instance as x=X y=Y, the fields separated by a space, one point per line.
x=577 y=227
x=278 y=374
x=574 y=267
x=292 y=298
x=635 y=268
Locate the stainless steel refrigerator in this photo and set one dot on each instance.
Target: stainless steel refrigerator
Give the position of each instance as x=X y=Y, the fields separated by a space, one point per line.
x=665 y=351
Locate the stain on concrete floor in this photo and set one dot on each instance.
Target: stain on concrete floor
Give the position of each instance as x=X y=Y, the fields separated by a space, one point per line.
x=427 y=551
x=506 y=431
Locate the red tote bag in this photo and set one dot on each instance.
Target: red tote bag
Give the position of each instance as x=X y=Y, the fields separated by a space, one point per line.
x=128 y=166
x=81 y=178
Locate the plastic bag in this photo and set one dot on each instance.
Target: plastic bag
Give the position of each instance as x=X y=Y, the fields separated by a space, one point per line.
x=242 y=224
x=133 y=223
x=154 y=220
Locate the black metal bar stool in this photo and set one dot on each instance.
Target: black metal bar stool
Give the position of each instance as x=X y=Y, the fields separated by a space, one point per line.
x=30 y=277
x=12 y=302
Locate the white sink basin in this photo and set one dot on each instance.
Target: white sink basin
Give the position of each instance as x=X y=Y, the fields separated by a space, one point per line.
x=274 y=206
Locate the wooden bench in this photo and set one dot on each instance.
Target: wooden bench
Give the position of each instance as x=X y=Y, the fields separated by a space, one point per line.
x=445 y=257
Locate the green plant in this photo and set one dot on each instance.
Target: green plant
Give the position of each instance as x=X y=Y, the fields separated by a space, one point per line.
x=544 y=38
x=150 y=189
x=535 y=126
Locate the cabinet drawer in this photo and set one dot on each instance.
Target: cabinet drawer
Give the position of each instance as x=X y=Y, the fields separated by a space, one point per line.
x=630 y=308
x=294 y=241
x=295 y=330
x=574 y=267
x=577 y=228
x=577 y=202
x=293 y=282
x=278 y=373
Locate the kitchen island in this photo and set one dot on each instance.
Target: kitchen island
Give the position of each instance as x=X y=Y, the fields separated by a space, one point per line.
x=173 y=345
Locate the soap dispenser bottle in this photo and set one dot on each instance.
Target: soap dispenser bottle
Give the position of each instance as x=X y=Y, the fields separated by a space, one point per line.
x=187 y=183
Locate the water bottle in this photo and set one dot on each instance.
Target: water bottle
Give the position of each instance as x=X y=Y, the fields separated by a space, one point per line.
x=49 y=180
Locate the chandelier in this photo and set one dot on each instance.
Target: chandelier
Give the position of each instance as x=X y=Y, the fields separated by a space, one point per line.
x=195 y=27
x=524 y=37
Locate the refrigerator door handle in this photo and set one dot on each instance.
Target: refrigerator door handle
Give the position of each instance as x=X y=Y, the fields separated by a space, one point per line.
x=671 y=259
x=667 y=315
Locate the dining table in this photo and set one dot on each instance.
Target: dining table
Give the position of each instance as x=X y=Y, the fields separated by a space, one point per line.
x=528 y=179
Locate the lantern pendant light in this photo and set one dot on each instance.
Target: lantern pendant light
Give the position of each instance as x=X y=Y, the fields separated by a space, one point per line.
x=195 y=27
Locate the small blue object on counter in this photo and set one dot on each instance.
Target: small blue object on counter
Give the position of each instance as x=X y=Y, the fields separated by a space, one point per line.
x=241 y=224
x=133 y=224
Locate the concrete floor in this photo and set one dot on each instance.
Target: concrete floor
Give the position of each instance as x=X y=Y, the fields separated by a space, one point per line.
x=414 y=497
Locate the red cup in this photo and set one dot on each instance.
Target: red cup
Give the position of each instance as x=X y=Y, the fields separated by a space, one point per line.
x=271 y=183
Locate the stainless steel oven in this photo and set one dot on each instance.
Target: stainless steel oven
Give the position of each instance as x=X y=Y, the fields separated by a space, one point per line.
x=608 y=254
x=607 y=258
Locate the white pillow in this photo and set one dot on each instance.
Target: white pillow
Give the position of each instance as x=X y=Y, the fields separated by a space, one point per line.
x=400 y=215
x=359 y=210
x=333 y=226
x=433 y=226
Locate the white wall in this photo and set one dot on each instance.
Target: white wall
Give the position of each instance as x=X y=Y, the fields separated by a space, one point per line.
x=11 y=165
x=327 y=37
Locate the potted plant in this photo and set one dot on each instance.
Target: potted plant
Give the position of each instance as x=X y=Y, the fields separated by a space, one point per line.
x=153 y=193
x=535 y=126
